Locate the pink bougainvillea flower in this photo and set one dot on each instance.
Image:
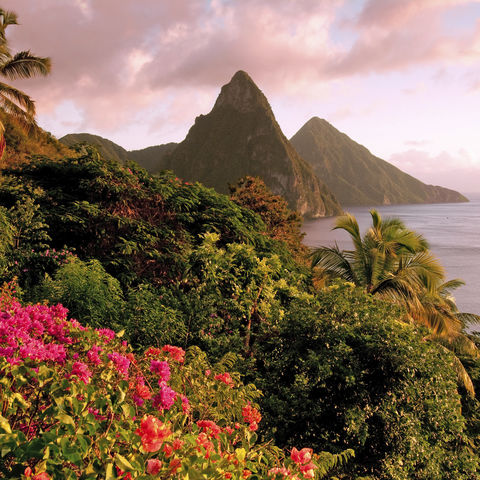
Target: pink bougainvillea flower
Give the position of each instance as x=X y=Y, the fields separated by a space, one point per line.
x=185 y=405
x=160 y=368
x=165 y=398
x=152 y=433
x=82 y=371
x=154 y=466
x=301 y=457
x=121 y=363
x=107 y=334
x=93 y=356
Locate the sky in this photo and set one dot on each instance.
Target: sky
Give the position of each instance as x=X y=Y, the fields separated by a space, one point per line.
x=401 y=77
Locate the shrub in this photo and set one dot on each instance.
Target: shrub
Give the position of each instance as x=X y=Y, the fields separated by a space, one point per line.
x=345 y=372
x=87 y=291
x=76 y=403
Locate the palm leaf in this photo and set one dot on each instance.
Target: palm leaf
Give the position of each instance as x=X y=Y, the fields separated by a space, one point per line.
x=334 y=262
x=25 y=65
x=468 y=319
x=20 y=98
x=11 y=108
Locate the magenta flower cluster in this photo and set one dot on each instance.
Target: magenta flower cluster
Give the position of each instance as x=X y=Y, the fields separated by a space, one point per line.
x=162 y=369
x=121 y=363
x=165 y=398
x=23 y=331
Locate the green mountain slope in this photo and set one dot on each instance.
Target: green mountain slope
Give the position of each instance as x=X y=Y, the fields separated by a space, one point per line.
x=357 y=177
x=239 y=137
x=152 y=158
x=108 y=149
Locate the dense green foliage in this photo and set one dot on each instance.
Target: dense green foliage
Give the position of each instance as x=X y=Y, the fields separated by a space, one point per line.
x=348 y=372
x=174 y=263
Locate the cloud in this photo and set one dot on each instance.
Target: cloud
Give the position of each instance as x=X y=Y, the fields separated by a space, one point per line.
x=453 y=170
x=124 y=61
x=398 y=34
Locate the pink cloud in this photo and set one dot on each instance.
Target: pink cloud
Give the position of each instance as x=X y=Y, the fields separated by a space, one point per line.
x=120 y=60
x=454 y=170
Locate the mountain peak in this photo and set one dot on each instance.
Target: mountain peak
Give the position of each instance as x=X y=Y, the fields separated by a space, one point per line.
x=317 y=122
x=242 y=94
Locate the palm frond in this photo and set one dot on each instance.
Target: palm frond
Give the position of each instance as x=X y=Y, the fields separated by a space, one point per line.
x=6 y=18
x=463 y=378
x=19 y=97
x=11 y=108
x=334 y=262
x=447 y=287
x=349 y=223
x=468 y=319
x=25 y=65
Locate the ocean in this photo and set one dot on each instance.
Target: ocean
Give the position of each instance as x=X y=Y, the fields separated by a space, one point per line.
x=452 y=230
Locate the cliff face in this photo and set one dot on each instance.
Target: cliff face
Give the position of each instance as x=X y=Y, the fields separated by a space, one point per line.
x=239 y=137
x=357 y=177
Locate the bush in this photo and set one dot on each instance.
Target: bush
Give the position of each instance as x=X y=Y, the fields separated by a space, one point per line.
x=87 y=291
x=345 y=372
x=78 y=404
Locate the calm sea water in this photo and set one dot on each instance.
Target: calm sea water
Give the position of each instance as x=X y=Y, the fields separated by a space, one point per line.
x=452 y=229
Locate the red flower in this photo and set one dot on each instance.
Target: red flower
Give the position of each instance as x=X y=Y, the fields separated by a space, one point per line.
x=42 y=476
x=154 y=466
x=176 y=353
x=308 y=469
x=177 y=444
x=152 y=433
x=168 y=450
x=301 y=457
x=252 y=416
x=210 y=428
x=174 y=465
x=225 y=378
x=152 y=352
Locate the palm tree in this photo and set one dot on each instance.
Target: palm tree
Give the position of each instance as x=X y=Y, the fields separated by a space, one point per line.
x=389 y=260
x=394 y=262
x=17 y=66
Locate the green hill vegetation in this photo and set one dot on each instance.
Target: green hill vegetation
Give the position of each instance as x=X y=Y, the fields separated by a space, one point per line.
x=108 y=149
x=21 y=144
x=152 y=158
x=357 y=177
x=149 y=158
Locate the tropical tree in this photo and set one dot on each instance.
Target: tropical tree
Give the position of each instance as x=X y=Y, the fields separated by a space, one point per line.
x=389 y=260
x=394 y=262
x=17 y=66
